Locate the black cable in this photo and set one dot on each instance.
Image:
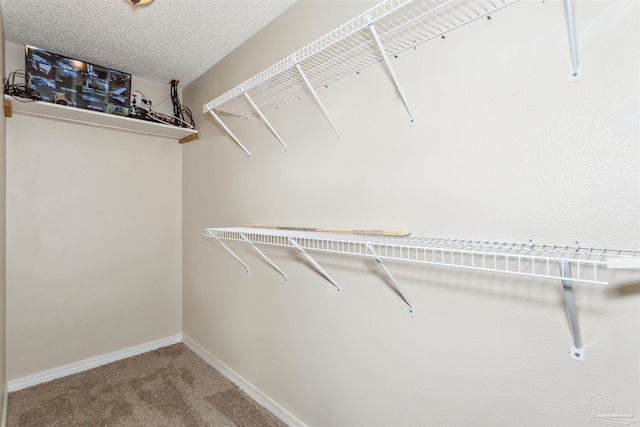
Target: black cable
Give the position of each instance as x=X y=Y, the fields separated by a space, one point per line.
x=188 y=112
x=179 y=110
x=20 y=91
x=174 y=99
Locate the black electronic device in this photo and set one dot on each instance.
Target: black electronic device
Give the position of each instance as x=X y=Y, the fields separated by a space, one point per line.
x=81 y=84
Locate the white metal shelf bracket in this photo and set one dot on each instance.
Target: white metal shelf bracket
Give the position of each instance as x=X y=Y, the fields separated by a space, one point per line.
x=221 y=123
x=576 y=73
x=232 y=253
x=316 y=265
x=391 y=278
x=266 y=258
x=391 y=72
x=266 y=122
x=577 y=350
x=317 y=98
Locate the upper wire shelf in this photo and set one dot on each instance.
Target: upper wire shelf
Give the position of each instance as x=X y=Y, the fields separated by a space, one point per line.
x=400 y=24
x=524 y=259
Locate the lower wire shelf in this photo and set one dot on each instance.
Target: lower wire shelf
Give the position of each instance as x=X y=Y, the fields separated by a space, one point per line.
x=568 y=264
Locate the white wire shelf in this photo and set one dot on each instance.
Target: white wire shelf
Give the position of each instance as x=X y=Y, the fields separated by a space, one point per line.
x=375 y=35
x=524 y=259
x=568 y=263
x=401 y=24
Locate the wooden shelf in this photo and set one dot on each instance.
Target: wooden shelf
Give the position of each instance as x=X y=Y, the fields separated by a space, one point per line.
x=63 y=113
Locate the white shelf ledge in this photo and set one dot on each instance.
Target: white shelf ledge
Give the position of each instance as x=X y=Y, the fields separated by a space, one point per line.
x=566 y=264
x=68 y=114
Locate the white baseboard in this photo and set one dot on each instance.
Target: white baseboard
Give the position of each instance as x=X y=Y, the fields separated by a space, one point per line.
x=257 y=395
x=94 y=362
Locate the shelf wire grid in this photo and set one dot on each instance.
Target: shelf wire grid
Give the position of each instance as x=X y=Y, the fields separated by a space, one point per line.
x=401 y=24
x=524 y=259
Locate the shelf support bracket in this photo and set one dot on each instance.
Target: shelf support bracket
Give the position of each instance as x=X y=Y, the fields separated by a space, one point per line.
x=246 y=267
x=391 y=278
x=221 y=123
x=264 y=119
x=577 y=350
x=8 y=111
x=391 y=72
x=317 y=98
x=316 y=265
x=266 y=258
x=576 y=73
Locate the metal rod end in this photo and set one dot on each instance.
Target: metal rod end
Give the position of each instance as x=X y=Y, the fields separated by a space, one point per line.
x=576 y=75
x=577 y=353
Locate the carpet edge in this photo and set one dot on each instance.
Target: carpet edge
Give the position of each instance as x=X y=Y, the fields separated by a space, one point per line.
x=257 y=395
x=86 y=364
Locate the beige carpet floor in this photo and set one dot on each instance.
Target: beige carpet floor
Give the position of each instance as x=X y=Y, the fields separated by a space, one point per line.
x=170 y=386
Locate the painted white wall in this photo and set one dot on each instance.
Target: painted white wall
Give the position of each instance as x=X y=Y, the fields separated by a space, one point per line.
x=503 y=148
x=93 y=239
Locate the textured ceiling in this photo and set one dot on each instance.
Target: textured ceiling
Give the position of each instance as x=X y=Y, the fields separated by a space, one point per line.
x=164 y=40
